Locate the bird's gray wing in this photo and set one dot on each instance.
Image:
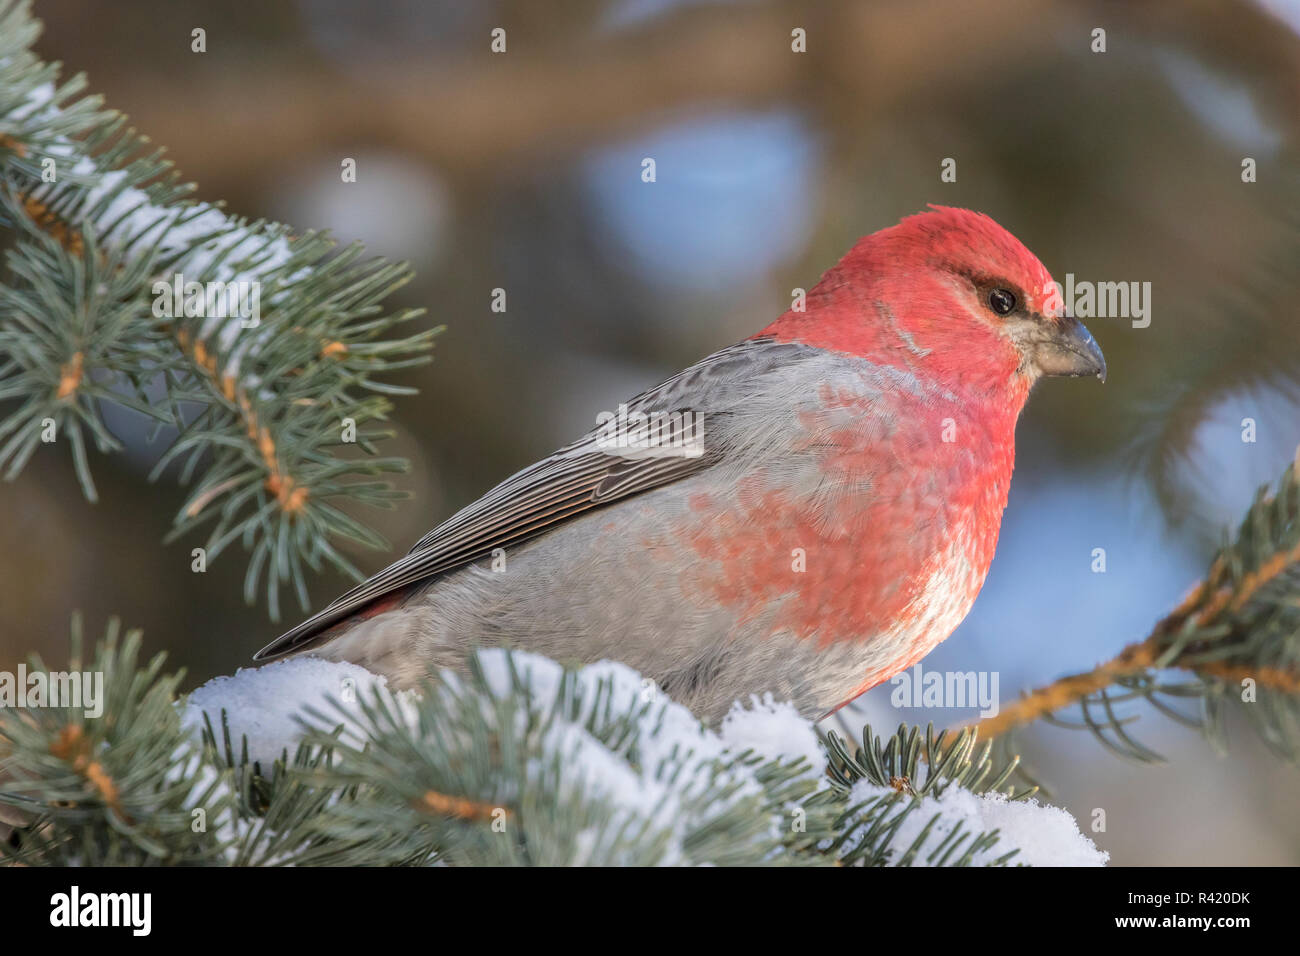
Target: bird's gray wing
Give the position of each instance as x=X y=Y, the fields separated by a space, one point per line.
x=578 y=478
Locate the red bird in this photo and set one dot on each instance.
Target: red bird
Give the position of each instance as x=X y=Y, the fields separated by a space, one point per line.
x=807 y=512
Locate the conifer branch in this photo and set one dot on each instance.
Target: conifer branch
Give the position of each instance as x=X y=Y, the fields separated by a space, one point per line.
x=1236 y=634
x=475 y=771
x=269 y=354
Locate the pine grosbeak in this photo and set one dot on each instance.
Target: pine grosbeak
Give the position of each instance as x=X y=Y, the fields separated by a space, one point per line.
x=818 y=512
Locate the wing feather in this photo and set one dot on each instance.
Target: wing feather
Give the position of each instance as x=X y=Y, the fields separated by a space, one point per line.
x=575 y=480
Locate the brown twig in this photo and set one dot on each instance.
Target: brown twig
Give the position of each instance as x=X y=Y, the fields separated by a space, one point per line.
x=50 y=223
x=1207 y=601
x=462 y=808
x=290 y=494
x=1133 y=660
x=70 y=377
x=73 y=746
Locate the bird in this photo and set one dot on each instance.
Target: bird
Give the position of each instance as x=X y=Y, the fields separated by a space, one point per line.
x=805 y=513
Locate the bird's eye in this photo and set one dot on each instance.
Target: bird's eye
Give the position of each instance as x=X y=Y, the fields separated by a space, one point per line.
x=1002 y=301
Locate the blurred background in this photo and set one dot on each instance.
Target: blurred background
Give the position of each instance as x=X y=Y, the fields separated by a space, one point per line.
x=522 y=171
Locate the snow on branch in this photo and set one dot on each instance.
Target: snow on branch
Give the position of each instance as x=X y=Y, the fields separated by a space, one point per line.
x=517 y=762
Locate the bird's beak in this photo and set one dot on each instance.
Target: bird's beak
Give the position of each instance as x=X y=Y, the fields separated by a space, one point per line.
x=1069 y=349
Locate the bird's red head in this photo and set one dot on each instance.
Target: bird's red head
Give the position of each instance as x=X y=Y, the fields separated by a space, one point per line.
x=947 y=294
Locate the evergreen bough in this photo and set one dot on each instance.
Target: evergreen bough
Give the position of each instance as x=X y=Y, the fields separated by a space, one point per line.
x=464 y=774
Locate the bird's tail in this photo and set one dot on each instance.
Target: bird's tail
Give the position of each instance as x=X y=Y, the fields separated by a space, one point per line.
x=327 y=625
